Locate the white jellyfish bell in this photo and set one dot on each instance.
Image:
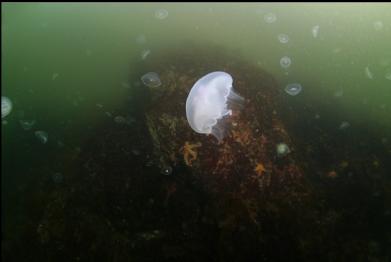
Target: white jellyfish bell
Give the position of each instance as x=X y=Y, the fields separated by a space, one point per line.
x=210 y=103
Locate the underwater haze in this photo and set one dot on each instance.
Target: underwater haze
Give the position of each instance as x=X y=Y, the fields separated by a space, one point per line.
x=99 y=161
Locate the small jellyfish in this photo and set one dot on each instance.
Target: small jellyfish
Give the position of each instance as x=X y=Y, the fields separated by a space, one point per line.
x=108 y=114
x=317 y=116
x=120 y=120
x=270 y=18
x=6 y=106
x=210 y=102
x=344 y=125
x=315 y=31
x=388 y=75
x=141 y=39
x=283 y=38
x=54 y=76
x=125 y=85
x=282 y=149
x=27 y=124
x=42 y=136
x=285 y=62
x=4 y=122
x=57 y=178
x=338 y=93
x=378 y=25
x=151 y=79
x=293 y=89
x=368 y=73
x=145 y=53
x=161 y=14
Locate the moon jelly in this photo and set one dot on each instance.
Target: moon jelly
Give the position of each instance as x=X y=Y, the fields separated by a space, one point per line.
x=283 y=38
x=42 y=136
x=209 y=103
x=161 y=14
x=282 y=150
x=6 y=106
x=151 y=79
x=293 y=89
x=27 y=124
x=270 y=18
x=285 y=62
x=315 y=31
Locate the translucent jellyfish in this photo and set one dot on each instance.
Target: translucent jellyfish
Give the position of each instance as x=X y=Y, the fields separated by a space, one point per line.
x=210 y=103
x=141 y=39
x=145 y=53
x=161 y=14
x=282 y=150
x=378 y=25
x=151 y=79
x=57 y=178
x=120 y=120
x=285 y=62
x=6 y=106
x=344 y=125
x=293 y=89
x=27 y=124
x=368 y=73
x=338 y=93
x=315 y=31
x=283 y=38
x=388 y=75
x=42 y=136
x=270 y=18
x=55 y=75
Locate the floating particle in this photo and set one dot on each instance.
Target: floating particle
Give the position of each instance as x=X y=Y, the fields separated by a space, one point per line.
x=315 y=31
x=317 y=116
x=6 y=106
x=282 y=149
x=151 y=79
x=27 y=124
x=270 y=18
x=283 y=38
x=108 y=114
x=344 y=125
x=99 y=105
x=42 y=136
x=145 y=53
x=368 y=73
x=293 y=89
x=285 y=62
x=161 y=14
x=378 y=25
x=55 y=75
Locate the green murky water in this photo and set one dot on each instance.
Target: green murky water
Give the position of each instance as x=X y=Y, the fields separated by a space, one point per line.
x=67 y=67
